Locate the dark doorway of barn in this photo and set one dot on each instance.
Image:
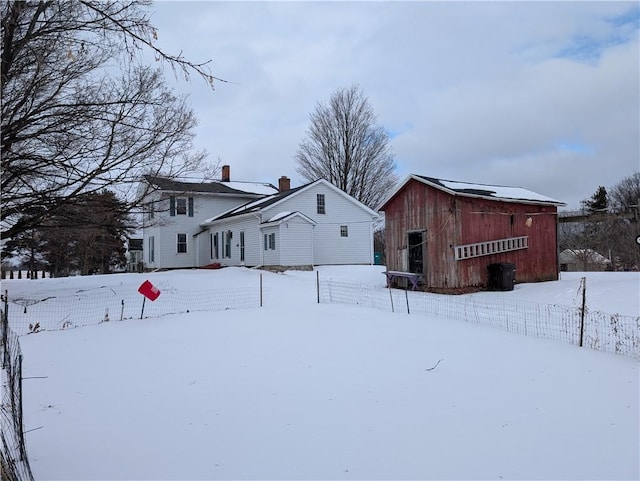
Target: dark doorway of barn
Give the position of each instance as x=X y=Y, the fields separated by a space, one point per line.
x=415 y=241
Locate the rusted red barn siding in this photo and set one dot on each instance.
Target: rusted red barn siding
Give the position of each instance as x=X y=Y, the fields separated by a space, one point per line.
x=485 y=220
x=449 y=220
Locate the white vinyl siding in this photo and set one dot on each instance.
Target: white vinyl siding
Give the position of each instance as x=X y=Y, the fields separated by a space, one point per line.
x=310 y=238
x=296 y=243
x=329 y=247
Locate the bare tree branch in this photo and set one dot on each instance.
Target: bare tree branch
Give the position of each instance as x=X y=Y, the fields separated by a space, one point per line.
x=79 y=114
x=346 y=147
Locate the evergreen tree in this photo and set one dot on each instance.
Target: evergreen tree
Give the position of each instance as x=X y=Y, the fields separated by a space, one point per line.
x=86 y=235
x=599 y=201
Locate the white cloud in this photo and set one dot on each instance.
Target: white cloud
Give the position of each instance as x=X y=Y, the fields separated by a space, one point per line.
x=480 y=92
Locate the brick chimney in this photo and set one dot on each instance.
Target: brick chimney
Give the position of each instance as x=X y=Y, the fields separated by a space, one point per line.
x=226 y=173
x=284 y=184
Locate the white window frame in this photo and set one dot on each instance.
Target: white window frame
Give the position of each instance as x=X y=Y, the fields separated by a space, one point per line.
x=321 y=205
x=185 y=243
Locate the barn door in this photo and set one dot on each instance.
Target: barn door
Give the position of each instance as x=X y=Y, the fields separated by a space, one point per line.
x=415 y=244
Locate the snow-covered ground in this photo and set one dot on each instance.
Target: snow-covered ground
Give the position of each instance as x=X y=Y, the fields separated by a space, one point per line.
x=300 y=390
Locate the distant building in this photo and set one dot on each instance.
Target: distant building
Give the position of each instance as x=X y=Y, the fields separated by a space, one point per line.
x=583 y=260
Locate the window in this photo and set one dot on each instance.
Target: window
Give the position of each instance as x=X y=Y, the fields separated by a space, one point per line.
x=214 y=246
x=344 y=231
x=151 y=211
x=270 y=241
x=181 y=206
x=182 y=244
x=321 y=205
x=152 y=249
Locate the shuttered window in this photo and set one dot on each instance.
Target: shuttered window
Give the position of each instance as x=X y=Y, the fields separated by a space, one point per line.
x=180 y=206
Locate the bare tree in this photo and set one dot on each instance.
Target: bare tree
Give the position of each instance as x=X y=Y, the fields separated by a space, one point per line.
x=613 y=235
x=345 y=146
x=79 y=111
x=625 y=195
x=625 y=199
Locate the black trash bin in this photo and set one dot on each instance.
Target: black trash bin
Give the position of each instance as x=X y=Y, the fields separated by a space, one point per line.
x=502 y=276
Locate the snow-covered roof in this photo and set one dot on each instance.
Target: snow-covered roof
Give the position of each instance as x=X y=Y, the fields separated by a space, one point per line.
x=253 y=206
x=249 y=207
x=486 y=191
x=211 y=187
x=282 y=216
x=258 y=205
x=278 y=216
x=568 y=256
x=253 y=187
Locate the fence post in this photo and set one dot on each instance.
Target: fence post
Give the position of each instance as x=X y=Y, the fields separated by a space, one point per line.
x=391 y=297
x=143 y=301
x=406 y=296
x=122 y=310
x=20 y=424
x=261 y=289
x=583 y=284
x=5 y=329
x=318 y=285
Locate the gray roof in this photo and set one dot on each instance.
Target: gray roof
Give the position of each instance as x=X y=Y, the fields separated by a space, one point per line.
x=213 y=187
x=257 y=205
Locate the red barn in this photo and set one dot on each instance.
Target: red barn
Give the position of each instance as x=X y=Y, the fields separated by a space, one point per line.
x=451 y=232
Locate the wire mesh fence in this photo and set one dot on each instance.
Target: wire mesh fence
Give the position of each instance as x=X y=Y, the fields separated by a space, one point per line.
x=94 y=306
x=14 y=464
x=597 y=330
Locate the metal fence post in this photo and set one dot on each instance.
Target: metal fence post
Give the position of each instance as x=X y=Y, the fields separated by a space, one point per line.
x=583 y=284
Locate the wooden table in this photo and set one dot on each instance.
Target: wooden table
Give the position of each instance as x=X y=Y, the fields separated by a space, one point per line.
x=413 y=277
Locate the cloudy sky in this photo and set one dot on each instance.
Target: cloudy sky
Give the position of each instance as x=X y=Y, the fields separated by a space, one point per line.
x=540 y=95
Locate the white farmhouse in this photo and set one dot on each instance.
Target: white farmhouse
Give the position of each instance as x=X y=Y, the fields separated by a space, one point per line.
x=315 y=224
x=174 y=210
x=253 y=224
